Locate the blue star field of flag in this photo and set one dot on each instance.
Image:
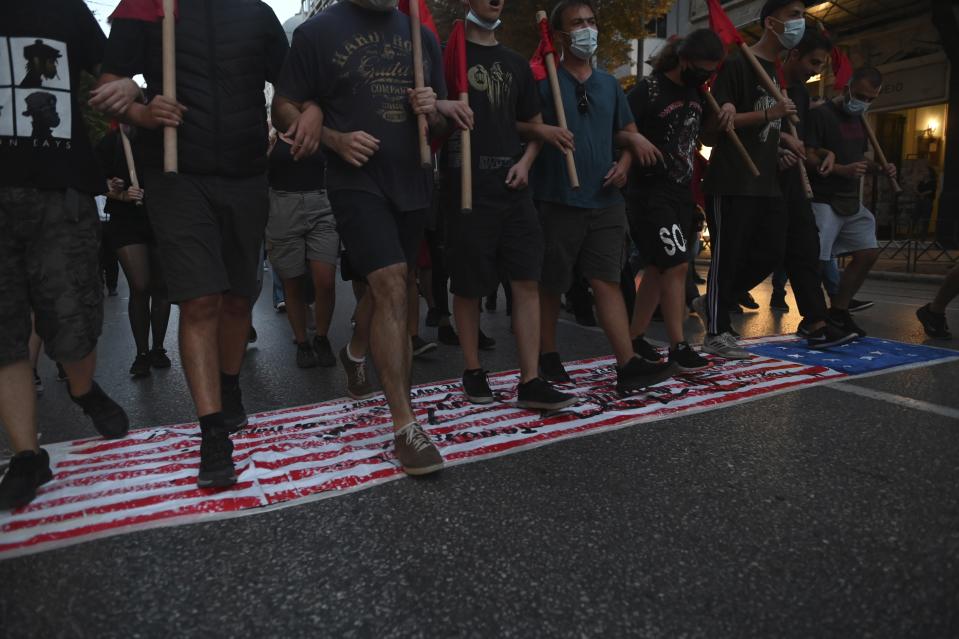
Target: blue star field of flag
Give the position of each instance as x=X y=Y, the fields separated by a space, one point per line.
x=862 y=356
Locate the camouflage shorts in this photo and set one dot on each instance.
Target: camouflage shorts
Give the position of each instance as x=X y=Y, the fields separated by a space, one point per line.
x=49 y=243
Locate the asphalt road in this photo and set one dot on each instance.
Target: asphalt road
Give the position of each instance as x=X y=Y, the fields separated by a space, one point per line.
x=816 y=513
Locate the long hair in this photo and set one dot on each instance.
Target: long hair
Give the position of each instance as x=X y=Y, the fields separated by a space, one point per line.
x=701 y=44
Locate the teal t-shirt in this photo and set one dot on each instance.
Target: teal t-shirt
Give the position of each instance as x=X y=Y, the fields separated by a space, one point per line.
x=606 y=113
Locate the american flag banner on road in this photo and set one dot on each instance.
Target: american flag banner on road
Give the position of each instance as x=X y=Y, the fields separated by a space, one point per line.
x=292 y=456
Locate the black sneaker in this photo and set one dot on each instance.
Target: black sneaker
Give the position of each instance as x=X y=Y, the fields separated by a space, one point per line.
x=829 y=336
x=646 y=350
x=446 y=335
x=433 y=318
x=234 y=415
x=778 y=301
x=420 y=346
x=843 y=320
x=476 y=386
x=933 y=323
x=638 y=374
x=253 y=336
x=305 y=357
x=803 y=330
x=686 y=359
x=551 y=369
x=538 y=394
x=860 y=305
x=27 y=471
x=108 y=417
x=746 y=300
x=486 y=343
x=159 y=359
x=324 y=351
x=141 y=366
x=216 y=459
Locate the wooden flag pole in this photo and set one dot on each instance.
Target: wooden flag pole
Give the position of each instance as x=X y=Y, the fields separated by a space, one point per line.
x=764 y=78
x=416 y=38
x=803 y=173
x=466 y=170
x=128 y=154
x=880 y=155
x=169 y=82
x=733 y=136
x=558 y=105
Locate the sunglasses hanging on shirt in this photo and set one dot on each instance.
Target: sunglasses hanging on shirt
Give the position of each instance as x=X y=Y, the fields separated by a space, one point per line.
x=582 y=100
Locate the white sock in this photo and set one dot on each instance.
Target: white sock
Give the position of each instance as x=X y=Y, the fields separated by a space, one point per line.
x=357 y=360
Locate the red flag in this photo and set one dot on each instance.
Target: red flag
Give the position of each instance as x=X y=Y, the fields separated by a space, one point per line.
x=145 y=10
x=841 y=68
x=426 y=18
x=780 y=76
x=722 y=25
x=454 y=61
x=538 y=62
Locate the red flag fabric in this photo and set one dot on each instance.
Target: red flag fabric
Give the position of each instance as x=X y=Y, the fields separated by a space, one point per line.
x=426 y=18
x=537 y=63
x=780 y=76
x=145 y=10
x=841 y=68
x=454 y=61
x=720 y=23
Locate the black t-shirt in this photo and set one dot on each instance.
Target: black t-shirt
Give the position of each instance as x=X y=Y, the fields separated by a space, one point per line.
x=308 y=174
x=357 y=64
x=114 y=164
x=670 y=116
x=737 y=83
x=790 y=179
x=44 y=44
x=833 y=129
x=501 y=92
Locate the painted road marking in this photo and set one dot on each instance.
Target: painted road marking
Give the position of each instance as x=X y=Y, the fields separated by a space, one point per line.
x=908 y=402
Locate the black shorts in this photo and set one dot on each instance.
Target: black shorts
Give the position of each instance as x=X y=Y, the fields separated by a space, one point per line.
x=492 y=236
x=209 y=232
x=661 y=220
x=124 y=230
x=374 y=232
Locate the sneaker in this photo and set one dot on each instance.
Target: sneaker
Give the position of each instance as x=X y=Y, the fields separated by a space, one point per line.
x=324 y=351
x=415 y=451
x=37 y=383
x=843 y=320
x=476 y=386
x=108 y=417
x=699 y=307
x=860 y=305
x=61 y=374
x=551 y=369
x=27 y=471
x=538 y=394
x=646 y=350
x=746 y=300
x=686 y=359
x=280 y=307
x=639 y=374
x=231 y=401
x=216 y=459
x=141 y=366
x=778 y=301
x=433 y=318
x=933 y=323
x=486 y=343
x=724 y=345
x=420 y=346
x=829 y=336
x=253 y=336
x=446 y=335
x=803 y=330
x=159 y=359
x=305 y=357
x=357 y=385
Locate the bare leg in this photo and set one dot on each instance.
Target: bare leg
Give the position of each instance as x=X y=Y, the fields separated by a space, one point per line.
x=611 y=313
x=412 y=306
x=234 y=331
x=390 y=343
x=199 y=351
x=853 y=276
x=295 y=307
x=425 y=285
x=647 y=297
x=33 y=346
x=360 y=343
x=18 y=406
x=466 y=312
x=324 y=286
x=526 y=324
x=549 y=304
x=673 y=302
x=947 y=292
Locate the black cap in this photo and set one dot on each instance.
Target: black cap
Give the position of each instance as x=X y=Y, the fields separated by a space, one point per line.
x=772 y=6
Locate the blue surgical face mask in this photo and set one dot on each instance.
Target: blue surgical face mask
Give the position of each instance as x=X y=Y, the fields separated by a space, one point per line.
x=481 y=23
x=583 y=42
x=854 y=106
x=792 y=34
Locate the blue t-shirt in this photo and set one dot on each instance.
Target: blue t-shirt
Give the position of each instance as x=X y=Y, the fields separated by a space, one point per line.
x=606 y=113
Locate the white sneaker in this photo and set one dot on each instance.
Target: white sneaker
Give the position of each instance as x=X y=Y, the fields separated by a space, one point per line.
x=724 y=345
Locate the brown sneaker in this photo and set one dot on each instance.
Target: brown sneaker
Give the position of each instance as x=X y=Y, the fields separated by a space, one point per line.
x=416 y=451
x=357 y=385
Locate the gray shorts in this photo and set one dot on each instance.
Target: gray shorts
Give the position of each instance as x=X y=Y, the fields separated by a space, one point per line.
x=591 y=242
x=49 y=264
x=301 y=227
x=841 y=235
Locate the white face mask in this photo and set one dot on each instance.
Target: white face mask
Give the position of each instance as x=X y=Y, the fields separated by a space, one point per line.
x=854 y=106
x=792 y=34
x=583 y=42
x=481 y=23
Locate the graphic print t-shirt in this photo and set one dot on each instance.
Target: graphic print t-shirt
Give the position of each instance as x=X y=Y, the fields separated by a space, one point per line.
x=669 y=115
x=832 y=128
x=737 y=83
x=44 y=44
x=501 y=92
x=357 y=64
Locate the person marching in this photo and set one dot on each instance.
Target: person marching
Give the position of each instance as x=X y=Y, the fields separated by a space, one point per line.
x=669 y=111
x=502 y=230
x=836 y=143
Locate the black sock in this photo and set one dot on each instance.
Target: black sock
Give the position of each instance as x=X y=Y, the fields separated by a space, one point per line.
x=84 y=399
x=211 y=421
x=229 y=382
x=473 y=371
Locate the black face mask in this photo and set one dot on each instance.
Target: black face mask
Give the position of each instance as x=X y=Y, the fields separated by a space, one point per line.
x=694 y=76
